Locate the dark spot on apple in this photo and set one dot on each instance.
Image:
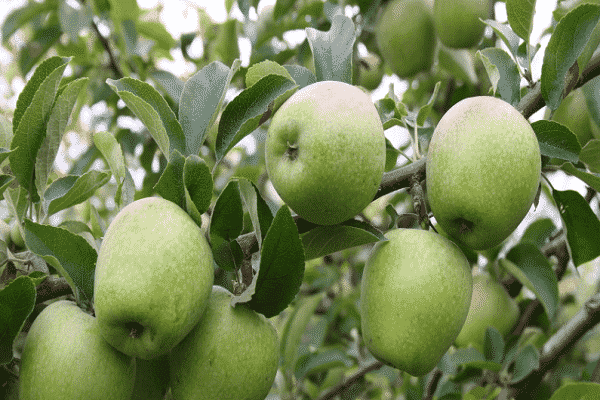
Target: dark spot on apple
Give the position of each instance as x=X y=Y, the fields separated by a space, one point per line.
x=464 y=226
x=292 y=151
x=135 y=330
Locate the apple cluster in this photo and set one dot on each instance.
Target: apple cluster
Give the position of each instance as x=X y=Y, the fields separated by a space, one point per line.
x=417 y=289
x=159 y=323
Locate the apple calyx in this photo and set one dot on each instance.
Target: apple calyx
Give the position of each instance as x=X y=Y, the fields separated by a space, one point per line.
x=465 y=226
x=291 y=151
x=135 y=330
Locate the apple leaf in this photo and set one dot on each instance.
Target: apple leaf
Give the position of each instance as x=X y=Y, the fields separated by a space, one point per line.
x=520 y=16
x=557 y=141
x=481 y=393
x=301 y=75
x=389 y=114
x=258 y=210
x=577 y=391
x=295 y=327
x=493 y=345
x=246 y=111
x=226 y=224
x=581 y=224
x=201 y=99
x=506 y=34
x=281 y=266
x=328 y=239
x=152 y=109
x=527 y=263
x=591 y=90
x=264 y=68
x=62 y=194
x=59 y=117
x=459 y=63
x=451 y=362
x=424 y=111
x=592 y=180
x=68 y=253
x=16 y=303
x=28 y=136
x=112 y=153
x=170 y=84
x=332 y=50
x=503 y=73
x=590 y=156
x=22 y=15
x=525 y=362
x=567 y=42
x=170 y=184
x=321 y=361
x=538 y=232
x=198 y=187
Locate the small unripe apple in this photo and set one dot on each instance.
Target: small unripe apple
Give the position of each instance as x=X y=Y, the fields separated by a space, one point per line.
x=483 y=171
x=15 y=235
x=325 y=152
x=415 y=295
x=574 y=114
x=406 y=37
x=457 y=22
x=370 y=72
x=231 y=354
x=66 y=358
x=490 y=306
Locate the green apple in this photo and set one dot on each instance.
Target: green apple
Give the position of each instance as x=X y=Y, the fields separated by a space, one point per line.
x=325 y=152
x=415 y=296
x=405 y=36
x=370 y=72
x=153 y=278
x=16 y=236
x=457 y=22
x=66 y=358
x=233 y=353
x=490 y=306
x=151 y=378
x=483 y=171
x=573 y=113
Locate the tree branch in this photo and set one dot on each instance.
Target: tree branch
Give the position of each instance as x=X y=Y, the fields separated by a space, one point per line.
x=51 y=288
x=351 y=379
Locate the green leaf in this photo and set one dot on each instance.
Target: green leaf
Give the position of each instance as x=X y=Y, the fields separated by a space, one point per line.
x=520 y=16
x=503 y=73
x=16 y=303
x=506 y=34
x=577 y=391
x=459 y=63
x=59 y=118
x=258 y=210
x=301 y=75
x=5 y=180
x=152 y=109
x=281 y=266
x=73 y=20
x=332 y=50
x=245 y=112
x=527 y=361
x=30 y=134
x=591 y=90
x=35 y=48
x=566 y=44
x=581 y=224
x=295 y=327
x=170 y=84
x=69 y=254
x=538 y=232
x=328 y=239
x=590 y=155
x=321 y=361
x=21 y=16
x=526 y=262
x=157 y=32
x=264 y=68
x=592 y=180
x=226 y=224
x=198 y=184
x=170 y=185
x=124 y=9
x=424 y=111
x=493 y=345
x=557 y=141
x=112 y=153
x=201 y=99
x=83 y=188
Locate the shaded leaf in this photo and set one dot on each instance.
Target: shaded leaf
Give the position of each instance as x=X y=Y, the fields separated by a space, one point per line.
x=520 y=16
x=503 y=73
x=198 y=184
x=17 y=300
x=170 y=184
x=557 y=141
x=83 y=188
x=592 y=180
x=577 y=391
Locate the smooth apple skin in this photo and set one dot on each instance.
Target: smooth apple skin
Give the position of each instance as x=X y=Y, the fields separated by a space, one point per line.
x=232 y=354
x=490 y=306
x=483 y=171
x=151 y=378
x=573 y=113
x=325 y=152
x=415 y=295
x=153 y=278
x=457 y=22
x=405 y=36
x=66 y=358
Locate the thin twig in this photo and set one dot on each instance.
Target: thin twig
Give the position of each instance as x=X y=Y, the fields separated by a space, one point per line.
x=350 y=381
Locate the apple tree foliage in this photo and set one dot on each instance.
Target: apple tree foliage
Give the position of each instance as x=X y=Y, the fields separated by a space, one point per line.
x=93 y=80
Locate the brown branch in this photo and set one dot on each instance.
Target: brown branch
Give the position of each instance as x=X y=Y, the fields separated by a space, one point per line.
x=432 y=384
x=330 y=394
x=51 y=288
x=113 y=61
